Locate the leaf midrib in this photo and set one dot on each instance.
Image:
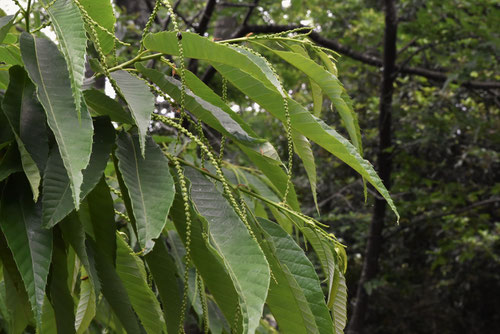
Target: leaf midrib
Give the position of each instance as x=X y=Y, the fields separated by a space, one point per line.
x=63 y=146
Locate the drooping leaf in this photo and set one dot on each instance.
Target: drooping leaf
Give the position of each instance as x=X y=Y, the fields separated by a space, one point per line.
x=248 y=77
x=102 y=13
x=10 y=163
x=5 y=25
x=316 y=92
x=9 y=54
x=47 y=69
x=149 y=183
x=203 y=103
x=30 y=244
x=207 y=260
x=338 y=302
x=18 y=312
x=101 y=226
x=113 y=290
x=304 y=151
x=286 y=298
x=329 y=64
x=140 y=100
x=241 y=254
x=106 y=106
x=6 y=135
x=86 y=308
x=132 y=273
x=68 y=25
x=74 y=234
x=101 y=250
x=324 y=250
x=163 y=269
x=59 y=293
x=304 y=122
x=332 y=88
x=196 y=46
x=57 y=201
x=49 y=324
x=289 y=254
x=27 y=121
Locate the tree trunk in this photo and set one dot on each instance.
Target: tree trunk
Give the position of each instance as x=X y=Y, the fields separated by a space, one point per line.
x=384 y=160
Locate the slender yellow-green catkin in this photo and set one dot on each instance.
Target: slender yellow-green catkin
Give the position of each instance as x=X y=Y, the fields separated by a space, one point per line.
x=203 y=300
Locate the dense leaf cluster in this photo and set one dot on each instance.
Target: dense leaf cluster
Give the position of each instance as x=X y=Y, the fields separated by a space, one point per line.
x=106 y=226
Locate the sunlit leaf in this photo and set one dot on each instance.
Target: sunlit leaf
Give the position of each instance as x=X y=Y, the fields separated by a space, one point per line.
x=150 y=185
x=57 y=202
x=30 y=244
x=101 y=11
x=68 y=25
x=47 y=69
x=140 y=100
x=241 y=254
x=132 y=273
x=27 y=121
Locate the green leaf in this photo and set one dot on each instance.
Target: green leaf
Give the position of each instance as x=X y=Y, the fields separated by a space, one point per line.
x=304 y=151
x=113 y=290
x=327 y=61
x=286 y=298
x=17 y=311
x=241 y=253
x=324 y=250
x=9 y=54
x=252 y=80
x=140 y=100
x=196 y=46
x=6 y=135
x=149 y=183
x=49 y=325
x=133 y=275
x=10 y=163
x=27 y=121
x=316 y=92
x=68 y=25
x=74 y=234
x=164 y=271
x=206 y=259
x=203 y=103
x=101 y=226
x=102 y=12
x=18 y=306
x=57 y=202
x=332 y=88
x=47 y=69
x=289 y=254
x=338 y=303
x=103 y=105
x=31 y=245
x=59 y=293
x=304 y=122
x=5 y=25
x=86 y=308
x=101 y=250
x=211 y=109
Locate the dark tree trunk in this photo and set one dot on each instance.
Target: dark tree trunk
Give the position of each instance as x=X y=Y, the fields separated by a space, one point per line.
x=384 y=161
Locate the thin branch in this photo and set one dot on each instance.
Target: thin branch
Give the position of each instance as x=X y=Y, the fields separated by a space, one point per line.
x=422 y=218
x=230 y=4
x=202 y=28
x=210 y=72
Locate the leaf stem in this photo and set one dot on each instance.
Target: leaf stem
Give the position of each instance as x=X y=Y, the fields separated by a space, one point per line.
x=27 y=16
x=137 y=58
